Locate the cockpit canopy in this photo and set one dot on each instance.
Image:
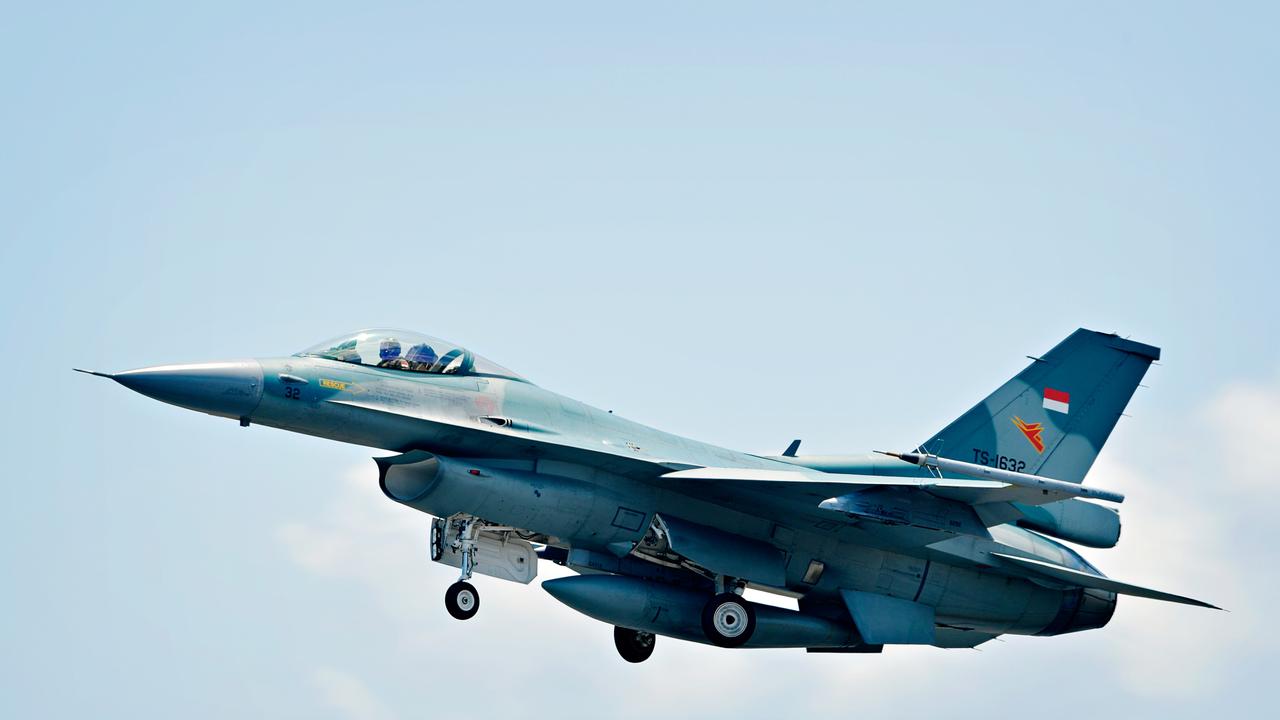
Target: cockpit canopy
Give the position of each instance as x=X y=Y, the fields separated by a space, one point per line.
x=408 y=351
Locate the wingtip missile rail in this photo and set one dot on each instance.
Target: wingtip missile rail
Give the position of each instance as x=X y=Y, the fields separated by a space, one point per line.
x=1027 y=480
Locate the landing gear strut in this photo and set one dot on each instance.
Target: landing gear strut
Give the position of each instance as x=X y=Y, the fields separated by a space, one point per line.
x=633 y=645
x=462 y=600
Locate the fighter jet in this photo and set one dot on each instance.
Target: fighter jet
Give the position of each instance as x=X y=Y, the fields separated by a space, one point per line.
x=949 y=543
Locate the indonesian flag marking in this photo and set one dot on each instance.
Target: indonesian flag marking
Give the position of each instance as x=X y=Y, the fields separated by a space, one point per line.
x=1056 y=400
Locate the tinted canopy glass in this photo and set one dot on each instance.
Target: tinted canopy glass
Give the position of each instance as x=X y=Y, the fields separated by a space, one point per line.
x=408 y=351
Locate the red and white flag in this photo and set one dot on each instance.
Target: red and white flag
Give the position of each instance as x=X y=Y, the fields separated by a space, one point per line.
x=1056 y=400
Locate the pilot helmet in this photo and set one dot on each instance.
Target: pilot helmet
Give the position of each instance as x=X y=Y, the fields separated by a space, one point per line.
x=389 y=349
x=421 y=353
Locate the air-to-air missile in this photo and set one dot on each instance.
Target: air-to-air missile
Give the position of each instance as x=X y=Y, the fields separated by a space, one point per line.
x=1007 y=477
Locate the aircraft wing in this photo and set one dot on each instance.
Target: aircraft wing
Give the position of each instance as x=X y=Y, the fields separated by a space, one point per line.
x=1078 y=578
x=471 y=440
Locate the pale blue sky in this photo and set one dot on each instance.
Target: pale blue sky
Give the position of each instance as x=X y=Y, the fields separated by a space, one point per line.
x=740 y=222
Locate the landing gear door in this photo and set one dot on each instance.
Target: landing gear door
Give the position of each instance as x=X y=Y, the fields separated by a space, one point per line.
x=498 y=554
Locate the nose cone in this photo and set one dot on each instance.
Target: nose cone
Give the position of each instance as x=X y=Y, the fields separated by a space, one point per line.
x=230 y=389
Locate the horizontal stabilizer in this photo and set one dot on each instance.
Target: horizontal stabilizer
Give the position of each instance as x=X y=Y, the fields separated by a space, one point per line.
x=1067 y=576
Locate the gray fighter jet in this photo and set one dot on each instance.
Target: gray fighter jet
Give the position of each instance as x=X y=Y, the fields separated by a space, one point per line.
x=946 y=545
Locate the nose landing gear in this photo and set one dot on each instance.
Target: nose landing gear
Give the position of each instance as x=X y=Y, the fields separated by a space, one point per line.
x=474 y=546
x=462 y=600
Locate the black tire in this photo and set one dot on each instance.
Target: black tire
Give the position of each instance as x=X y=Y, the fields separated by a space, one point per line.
x=462 y=600
x=728 y=620
x=634 y=646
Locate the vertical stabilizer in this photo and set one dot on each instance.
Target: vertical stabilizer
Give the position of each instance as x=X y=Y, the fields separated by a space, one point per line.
x=1052 y=418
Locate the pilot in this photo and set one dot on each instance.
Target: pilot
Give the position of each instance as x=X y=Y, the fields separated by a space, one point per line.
x=421 y=357
x=389 y=351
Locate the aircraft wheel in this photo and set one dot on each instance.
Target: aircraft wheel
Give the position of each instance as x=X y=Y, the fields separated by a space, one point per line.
x=728 y=620
x=462 y=600
x=633 y=645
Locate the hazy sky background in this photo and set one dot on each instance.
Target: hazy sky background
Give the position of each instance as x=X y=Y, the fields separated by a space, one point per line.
x=737 y=222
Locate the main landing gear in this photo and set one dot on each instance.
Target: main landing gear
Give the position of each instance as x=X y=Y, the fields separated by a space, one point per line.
x=633 y=645
x=727 y=619
x=474 y=545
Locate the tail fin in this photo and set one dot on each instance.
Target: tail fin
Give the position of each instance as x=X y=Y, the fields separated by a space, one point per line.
x=1052 y=418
